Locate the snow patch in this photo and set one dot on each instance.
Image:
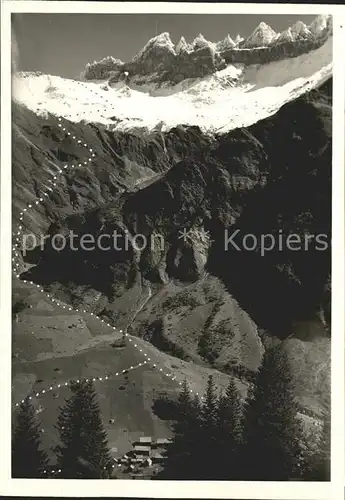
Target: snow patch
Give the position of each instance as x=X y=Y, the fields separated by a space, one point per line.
x=233 y=97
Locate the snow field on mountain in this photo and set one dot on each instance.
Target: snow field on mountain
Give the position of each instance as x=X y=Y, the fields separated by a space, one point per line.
x=278 y=73
x=234 y=97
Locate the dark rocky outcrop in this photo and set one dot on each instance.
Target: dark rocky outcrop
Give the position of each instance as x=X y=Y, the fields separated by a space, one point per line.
x=122 y=159
x=271 y=178
x=216 y=307
x=160 y=61
x=275 y=52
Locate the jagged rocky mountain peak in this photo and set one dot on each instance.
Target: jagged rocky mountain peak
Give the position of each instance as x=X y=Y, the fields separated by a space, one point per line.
x=192 y=79
x=200 y=41
x=264 y=27
x=321 y=23
x=227 y=43
x=160 y=60
x=157 y=44
x=101 y=69
x=163 y=39
x=301 y=30
x=261 y=36
x=183 y=46
x=286 y=36
x=238 y=39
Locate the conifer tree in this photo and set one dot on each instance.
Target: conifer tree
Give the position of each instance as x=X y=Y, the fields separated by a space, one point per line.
x=272 y=431
x=209 y=407
x=181 y=461
x=230 y=412
x=208 y=439
x=229 y=419
x=196 y=408
x=83 y=450
x=29 y=460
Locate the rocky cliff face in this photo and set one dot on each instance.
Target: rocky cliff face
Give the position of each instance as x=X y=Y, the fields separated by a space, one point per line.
x=273 y=177
x=282 y=49
x=262 y=36
x=120 y=161
x=161 y=61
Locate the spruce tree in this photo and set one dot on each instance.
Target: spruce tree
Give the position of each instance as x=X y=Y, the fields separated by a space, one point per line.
x=230 y=412
x=180 y=460
x=208 y=440
x=29 y=460
x=83 y=450
x=195 y=408
x=229 y=419
x=209 y=407
x=272 y=431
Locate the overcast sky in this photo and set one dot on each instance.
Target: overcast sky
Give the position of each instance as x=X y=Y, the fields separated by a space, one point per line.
x=61 y=44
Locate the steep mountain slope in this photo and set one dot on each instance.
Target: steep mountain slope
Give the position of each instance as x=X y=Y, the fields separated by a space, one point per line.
x=52 y=346
x=239 y=180
x=179 y=148
x=119 y=161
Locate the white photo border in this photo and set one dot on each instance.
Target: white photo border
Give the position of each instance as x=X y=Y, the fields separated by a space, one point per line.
x=334 y=490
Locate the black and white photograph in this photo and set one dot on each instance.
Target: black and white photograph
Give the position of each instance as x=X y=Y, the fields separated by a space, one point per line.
x=171 y=246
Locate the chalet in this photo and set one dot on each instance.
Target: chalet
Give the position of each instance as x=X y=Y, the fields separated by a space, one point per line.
x=132 y=454
x=145 y=440
x=142 y=450
x=162 y=442
x=154 y=444
x=146 y=452
x=157 y=457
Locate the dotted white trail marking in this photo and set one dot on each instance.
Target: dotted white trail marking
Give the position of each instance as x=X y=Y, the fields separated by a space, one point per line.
x=19 y=234
x=61 y=385
x=17 y=249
